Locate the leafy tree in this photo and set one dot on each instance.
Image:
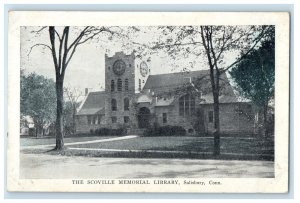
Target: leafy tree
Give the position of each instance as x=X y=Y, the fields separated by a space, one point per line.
x=214 y=45
x=38 y=99
x=255 y=75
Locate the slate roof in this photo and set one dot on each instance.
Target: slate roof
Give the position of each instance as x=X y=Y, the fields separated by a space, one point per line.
x=164 y=83
x=169 y=81
x=93 y=104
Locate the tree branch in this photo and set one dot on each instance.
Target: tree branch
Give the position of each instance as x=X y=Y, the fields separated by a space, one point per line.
x=257 y=40
x=38 y=31
x=52 y=40
x=60 y=46
x=44 y=45
x=66 y=50
x=79 y=37
x=93 y=35
x=60 y=38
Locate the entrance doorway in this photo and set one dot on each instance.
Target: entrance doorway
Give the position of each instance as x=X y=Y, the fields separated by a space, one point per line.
x=144 y=117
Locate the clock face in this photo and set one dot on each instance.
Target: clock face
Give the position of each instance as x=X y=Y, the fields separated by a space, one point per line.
x=144 y=68
x=119 y=67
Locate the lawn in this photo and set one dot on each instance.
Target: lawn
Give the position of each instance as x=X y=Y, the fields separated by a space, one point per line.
x=189 y=144
x=31 y=141
x=163 y=147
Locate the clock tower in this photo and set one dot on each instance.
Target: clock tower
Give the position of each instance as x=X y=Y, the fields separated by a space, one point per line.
x=125 y=75
x=142 y=71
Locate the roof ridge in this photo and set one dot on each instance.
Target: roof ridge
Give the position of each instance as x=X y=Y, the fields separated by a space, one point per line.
x=96 y=92
x=181 y=72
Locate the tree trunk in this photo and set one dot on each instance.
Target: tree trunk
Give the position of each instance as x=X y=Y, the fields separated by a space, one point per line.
x=74 y=119
x=265 y=123
x=59 y=116
x=216 y=123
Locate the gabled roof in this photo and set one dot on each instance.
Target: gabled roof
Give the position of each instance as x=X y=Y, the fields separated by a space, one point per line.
x=170 y=81
x=144 y=98
x=166 y=83
x=93 y=104
x=164 y=101
x=208 y=99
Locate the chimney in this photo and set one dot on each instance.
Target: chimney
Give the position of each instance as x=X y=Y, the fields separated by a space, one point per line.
x=86 y=91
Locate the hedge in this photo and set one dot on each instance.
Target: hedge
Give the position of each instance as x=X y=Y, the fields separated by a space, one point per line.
x=165 y=131
x=109 y=131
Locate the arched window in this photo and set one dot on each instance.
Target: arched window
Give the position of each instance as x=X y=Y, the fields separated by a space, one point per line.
x=126 y=84
x=140 y=85
x=112 y=86
x=119 y=84
x=186 y=105
x=113 y=104
x=126 y=104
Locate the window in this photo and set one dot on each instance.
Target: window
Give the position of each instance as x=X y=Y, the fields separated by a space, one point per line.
x=140 y=85
x=192 y=105
x=119 y=84
x=89 y=120
x=210 y=116
x=95 y=120
x=113 y=104
x=126 y=119
x=181 y=106
x=112 y=86
x=187 y=105
x=98 y=119
x=164 y=117
x=126 y=104
x=126 y=84
x=113 y=119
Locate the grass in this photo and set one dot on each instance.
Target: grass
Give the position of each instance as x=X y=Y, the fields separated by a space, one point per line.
x=193 y=144
x=45 y=141
x=175 y=147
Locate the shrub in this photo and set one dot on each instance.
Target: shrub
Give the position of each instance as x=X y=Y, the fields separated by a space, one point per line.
x=109 y=131
x=165 y=131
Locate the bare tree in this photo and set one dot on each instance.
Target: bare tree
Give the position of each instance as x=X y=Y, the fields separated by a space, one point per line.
x=213 y=43
x=63 y=46
x=73 y=95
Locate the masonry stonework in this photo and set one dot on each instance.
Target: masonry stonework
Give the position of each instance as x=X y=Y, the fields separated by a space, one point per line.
x=152 y=99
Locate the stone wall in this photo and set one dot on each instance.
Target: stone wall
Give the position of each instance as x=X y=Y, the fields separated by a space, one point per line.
x=82 y=125
x=235 y=118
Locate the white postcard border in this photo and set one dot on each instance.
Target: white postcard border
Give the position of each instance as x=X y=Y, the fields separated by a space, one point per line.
x=279 y=184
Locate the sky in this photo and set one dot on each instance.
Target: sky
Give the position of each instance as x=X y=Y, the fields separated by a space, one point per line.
x=86 y=69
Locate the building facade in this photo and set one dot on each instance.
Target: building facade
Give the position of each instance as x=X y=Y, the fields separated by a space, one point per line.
x=136 y=99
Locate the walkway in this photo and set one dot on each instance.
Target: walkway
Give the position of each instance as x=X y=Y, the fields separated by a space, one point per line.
x=56 y=167
x=83 y=142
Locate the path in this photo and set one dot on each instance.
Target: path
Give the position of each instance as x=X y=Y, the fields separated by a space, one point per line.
x=83 y=142
x=49 y=166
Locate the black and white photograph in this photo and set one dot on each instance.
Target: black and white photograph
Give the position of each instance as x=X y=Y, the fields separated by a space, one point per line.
x=177 y=102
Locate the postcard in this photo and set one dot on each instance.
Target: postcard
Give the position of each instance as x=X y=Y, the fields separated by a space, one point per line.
x=185 y=102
